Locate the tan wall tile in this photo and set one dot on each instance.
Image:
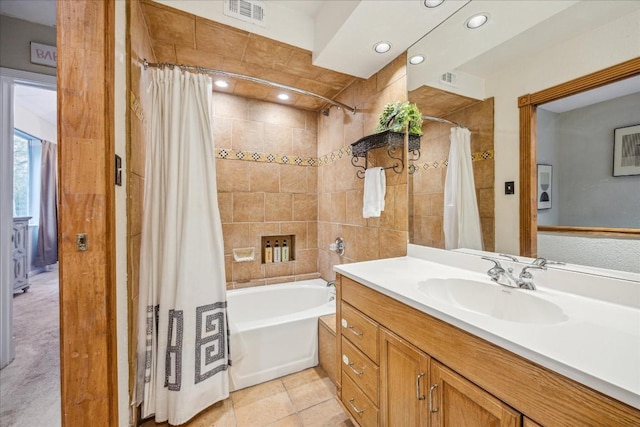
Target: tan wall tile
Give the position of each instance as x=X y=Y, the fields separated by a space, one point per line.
x=248 y=207
x=354 y=200
x=222 y=130
x=225 y=206
x=230 y=106
x=293 y=179
x=264 y=177
x=299 y=230
x=232 y=176
x=306 y=261
x=236 y=235
x=247 y=136
x=276 y=114
x=305 y=207
x=279 y=269
x=338 y=208
x=245 y=271
x=304 y=143
x=277 y=139
x=393 y=243
x=278 y=207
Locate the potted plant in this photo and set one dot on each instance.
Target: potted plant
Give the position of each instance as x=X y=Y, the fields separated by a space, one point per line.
x=400 y=116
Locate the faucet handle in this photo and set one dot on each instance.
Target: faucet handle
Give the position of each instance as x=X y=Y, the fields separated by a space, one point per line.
x=540 y=261
x=525 y=274
x=495 y=271
x=511 y=257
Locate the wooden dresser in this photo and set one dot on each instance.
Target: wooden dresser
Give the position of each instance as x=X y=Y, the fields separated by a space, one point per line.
x=400 y=367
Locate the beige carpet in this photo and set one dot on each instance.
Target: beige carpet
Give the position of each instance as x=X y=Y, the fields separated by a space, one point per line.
x=30 y=385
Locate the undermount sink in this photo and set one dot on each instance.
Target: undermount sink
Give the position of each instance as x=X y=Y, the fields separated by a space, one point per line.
x=515 y=305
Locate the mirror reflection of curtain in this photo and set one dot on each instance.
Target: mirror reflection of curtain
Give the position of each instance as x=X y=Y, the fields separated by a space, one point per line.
x=461 y=222
x=47 y=248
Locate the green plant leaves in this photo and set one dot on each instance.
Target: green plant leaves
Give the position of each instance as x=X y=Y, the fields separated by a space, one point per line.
x=399 y=116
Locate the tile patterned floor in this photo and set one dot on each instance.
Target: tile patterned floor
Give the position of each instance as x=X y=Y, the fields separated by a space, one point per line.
x=303 y=399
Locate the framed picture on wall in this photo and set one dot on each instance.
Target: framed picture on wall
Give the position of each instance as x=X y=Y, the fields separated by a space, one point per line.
x=544 y=186
x=626 y=151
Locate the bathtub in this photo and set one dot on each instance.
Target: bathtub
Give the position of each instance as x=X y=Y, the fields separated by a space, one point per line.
x=274 y=329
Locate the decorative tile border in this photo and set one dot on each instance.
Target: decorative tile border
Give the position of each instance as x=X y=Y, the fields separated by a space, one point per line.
x=476 y=157
x=253 y=156
x=283 y=159
x=334 y=156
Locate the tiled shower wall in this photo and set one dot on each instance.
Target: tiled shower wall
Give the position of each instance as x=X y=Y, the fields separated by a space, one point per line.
x=266 y=197
x=427 y=185
x=340 y=192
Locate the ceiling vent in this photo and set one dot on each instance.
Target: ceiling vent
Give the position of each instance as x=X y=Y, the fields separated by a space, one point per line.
x=246 y=10
x=448 y=78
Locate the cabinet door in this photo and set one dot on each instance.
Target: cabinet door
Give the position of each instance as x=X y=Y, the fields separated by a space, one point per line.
x=458 y=402
x=404 y=377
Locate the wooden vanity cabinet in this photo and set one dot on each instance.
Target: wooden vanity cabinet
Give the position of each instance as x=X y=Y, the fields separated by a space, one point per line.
x=404 y=383
x=459 y=402
x=467 y=380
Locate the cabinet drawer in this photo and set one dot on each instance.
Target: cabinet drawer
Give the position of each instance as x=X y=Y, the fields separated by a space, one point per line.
x=360 y=330
x=358 y=404
x=360 y=369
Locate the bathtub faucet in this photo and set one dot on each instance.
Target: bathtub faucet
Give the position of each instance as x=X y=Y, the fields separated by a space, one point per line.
x=331 y=283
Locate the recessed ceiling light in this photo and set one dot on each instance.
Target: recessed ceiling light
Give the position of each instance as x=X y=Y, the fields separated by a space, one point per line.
x=477 y=21
x=433 y=3
x=221 y=83
x=416 y=59
x=382 y=47
x=283 y=96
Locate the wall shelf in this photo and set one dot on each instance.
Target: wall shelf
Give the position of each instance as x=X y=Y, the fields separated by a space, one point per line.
x=392 y=140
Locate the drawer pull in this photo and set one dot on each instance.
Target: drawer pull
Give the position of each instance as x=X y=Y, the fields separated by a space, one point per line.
x=358 y=411
x=418 y=377
x=354 y=332
x=355 y=371
x=431 y=389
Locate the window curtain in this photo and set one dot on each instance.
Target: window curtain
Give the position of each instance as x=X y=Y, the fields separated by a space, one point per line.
x=461 y=221
x=182 y=326
x=47 y=247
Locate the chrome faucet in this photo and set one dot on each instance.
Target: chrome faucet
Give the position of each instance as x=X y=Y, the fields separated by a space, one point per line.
x=526 y=278
x=505 y=277
x=542 y=262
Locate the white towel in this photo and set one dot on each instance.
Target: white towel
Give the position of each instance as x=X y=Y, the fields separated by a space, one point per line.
x=375 y=187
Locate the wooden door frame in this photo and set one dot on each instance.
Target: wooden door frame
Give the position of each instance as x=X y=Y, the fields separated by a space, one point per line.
x=527 y=105
x=86 y=204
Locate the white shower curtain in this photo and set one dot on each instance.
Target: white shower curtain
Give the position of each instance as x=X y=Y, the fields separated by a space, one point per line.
x=461 y=218
x=183 y=331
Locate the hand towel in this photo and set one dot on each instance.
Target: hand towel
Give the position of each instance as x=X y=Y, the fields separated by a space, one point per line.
x=375 y=187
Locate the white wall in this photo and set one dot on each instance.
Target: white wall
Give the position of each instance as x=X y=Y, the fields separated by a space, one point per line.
x=589 y=195
x=612 y=253
x=548 y=147
x=120 y=120
x=599 y=48
x=34 y=125
x=16 y=35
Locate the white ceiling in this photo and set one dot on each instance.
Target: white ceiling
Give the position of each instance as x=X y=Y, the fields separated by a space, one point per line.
x=341 y=33
x=39 y=101
x=38 y=11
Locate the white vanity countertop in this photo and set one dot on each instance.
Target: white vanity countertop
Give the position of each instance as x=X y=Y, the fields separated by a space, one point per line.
x=599 y=344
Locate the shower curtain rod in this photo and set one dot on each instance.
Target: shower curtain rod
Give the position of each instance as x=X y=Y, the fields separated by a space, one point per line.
x=254 y=80
x=441 y=120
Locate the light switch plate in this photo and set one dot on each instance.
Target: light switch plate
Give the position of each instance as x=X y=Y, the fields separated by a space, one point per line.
x=509 y=187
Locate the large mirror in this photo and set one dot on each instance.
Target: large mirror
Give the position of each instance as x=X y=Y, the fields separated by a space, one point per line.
x=475 y=78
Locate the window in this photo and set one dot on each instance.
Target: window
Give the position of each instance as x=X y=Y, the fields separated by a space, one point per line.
x=27 y=152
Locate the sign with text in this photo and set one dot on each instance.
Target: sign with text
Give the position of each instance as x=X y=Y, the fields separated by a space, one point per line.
x=44 y=55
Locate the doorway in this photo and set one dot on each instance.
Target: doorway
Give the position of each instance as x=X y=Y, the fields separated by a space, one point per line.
x=29 y=331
